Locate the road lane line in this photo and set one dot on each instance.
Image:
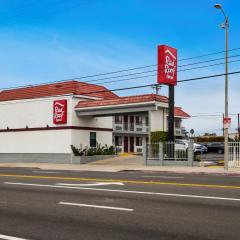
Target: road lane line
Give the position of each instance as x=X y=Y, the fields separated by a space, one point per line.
x=5 y=237
x=90 y=184
x=126 y=191
x=165 y=177
x=123 y=181
x=44 y=172
x=96 y=206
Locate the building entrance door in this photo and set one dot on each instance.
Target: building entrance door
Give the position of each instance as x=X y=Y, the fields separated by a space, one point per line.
x=125 y=144
x=131 y=144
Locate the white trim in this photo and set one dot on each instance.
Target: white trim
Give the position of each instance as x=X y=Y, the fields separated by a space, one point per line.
x=35 y=99
x=15 y=101
x=86 y=97
x=115 y=106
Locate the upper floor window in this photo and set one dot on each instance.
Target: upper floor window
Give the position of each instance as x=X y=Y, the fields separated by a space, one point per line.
x=177 y=123
x=138 y=120
x=118 y=119
x=147 y=121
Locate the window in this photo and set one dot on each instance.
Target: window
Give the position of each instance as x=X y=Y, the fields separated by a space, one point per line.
x=147 y=121
x=118 y=119
x=139 y=141
x=118 y=141
x=93 y=139
x=138 y=120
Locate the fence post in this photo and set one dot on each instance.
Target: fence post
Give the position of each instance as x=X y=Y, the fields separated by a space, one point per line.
x=190 y=153
x=161 y=153
x=145 y=154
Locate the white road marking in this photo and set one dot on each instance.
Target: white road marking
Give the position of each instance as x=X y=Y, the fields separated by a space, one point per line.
x=5 y=237
x=170 y=177
x=43 y=172
x=90 y=184
x=125 y=191
x=96 y=206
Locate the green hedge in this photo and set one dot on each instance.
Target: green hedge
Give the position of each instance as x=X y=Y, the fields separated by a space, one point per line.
x=98 y=150
x=159 y=136
x=213 y=139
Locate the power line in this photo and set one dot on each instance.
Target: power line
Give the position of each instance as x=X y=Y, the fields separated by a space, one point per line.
x=155 y=70
x=150 y=85
x=154 y=75
x=147 y=66
x=59 y=81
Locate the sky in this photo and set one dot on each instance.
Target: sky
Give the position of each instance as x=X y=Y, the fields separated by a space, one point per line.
x=53 y=40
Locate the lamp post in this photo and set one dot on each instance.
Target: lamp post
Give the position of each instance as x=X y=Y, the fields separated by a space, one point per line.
x=225 y=26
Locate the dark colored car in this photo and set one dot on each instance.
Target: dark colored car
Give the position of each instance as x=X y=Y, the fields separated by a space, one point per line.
x=215 y=147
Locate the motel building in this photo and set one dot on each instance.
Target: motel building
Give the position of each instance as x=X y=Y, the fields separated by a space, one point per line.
x=42 y=122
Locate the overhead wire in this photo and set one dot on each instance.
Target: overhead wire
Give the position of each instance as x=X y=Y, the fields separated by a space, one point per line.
x=154 y=75
x=78 y=78
x=155 y=70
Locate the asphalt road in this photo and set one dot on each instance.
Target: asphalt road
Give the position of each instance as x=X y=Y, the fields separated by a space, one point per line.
x=67 y=205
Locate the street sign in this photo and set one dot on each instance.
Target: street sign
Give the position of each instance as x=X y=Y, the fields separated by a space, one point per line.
x=167 y=65
x=226 y=122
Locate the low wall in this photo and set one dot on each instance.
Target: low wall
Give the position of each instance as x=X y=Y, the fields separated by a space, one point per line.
x=170 y=163
x=88 y=159
x=49 y=158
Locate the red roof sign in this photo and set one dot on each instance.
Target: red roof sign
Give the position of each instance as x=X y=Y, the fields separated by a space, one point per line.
x=167 y=65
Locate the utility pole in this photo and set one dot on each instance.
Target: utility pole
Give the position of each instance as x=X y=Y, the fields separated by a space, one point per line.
x=238 y=127
x=171 y=128
x=223 y=124
x=225 y=26
x=157 y=87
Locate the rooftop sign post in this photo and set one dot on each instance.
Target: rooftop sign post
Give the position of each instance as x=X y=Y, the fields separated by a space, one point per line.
x=167 y=74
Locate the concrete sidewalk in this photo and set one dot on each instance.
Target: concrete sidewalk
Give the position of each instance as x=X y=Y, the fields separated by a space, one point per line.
x=129 y=163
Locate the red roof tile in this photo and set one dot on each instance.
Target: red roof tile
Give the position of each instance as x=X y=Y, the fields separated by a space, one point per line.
x=69 y=87
x=131 y=99
x=178 y=112
x=123 y=100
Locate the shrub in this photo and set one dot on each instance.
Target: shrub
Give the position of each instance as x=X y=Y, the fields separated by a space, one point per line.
x=98 y=150
x=159 y=136
x=77 y=151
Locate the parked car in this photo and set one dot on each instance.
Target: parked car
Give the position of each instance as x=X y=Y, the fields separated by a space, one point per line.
x=200 y=148
x=181 y=144
x=215 y=147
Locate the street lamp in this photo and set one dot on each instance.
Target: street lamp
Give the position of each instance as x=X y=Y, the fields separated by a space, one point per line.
x=225 y=25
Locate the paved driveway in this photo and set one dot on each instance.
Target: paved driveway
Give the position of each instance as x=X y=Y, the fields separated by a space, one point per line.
x=131 y=160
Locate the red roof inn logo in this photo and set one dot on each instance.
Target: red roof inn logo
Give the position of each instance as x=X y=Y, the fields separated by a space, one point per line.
x=167 y=65
x=60 y=111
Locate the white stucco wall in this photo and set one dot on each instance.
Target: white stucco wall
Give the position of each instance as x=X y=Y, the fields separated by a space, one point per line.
x=36 y=142
x=32 y=112
x=38 y=113
x=101 y=122
x=81 y=138
x=156 y=120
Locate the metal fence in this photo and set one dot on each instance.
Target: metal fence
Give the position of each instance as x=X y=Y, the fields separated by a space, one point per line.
x=175 y=151
x=169 y=153
x=234 y=154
